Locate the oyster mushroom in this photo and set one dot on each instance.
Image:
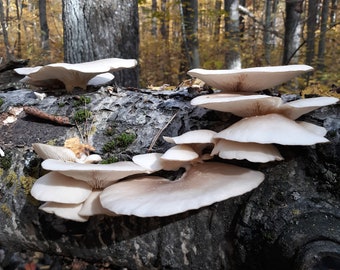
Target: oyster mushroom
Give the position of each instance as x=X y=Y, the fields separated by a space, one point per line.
x=270 y=128
x=96 y=175
x=76 y=75
x=201 y=185
x=249 y=79
x=253 y=152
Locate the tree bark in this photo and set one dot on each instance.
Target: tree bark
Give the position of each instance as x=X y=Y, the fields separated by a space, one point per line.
x=232 y=35
x=44 y=36
x=102 y=29
x=322 y=38
x=293 y=32
x=190 y=48
x=9 y=54
x=311 y=28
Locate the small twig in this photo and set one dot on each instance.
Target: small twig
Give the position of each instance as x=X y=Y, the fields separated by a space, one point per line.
x=61 y=120
x=154 y=140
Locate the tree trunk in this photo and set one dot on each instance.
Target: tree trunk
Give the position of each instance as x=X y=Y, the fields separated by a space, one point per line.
x=154 y=18
x=232 y=35
x=322 y=38
x=164 y=29
x=44 y=30
x=334 y=8
x=311 y=28
x=291 y=221
x=190 y=49
x=9 y=54
x=293 y=32
x=102 y=29
x=217 y=24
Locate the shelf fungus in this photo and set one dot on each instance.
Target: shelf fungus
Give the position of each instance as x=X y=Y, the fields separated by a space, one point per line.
x=201 y=185
x=249 y=79
x=75 y=75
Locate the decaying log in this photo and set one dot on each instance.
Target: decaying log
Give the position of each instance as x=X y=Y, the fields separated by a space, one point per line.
x=291 y=220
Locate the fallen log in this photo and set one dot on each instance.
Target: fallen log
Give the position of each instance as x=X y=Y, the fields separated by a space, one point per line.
x=293 y=216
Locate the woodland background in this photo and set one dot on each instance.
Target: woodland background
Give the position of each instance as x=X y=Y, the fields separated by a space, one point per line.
x=260 y=37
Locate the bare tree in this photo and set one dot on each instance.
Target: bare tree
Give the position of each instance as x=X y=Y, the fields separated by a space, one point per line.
x=322 y=39
x=98 y=29
x=311 y=28
x=9 y=54
x=189 y=15
x=44 y=30
x=293 y=31
x=232 y=34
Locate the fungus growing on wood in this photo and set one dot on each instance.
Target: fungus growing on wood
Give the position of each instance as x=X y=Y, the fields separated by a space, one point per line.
x=249 y=79
x=63 y=210
x=240 y=105
x=253 y=152
x=96 y=175
x=46 y=151
x=201 y=185
x=76 y=75
x=270 y=128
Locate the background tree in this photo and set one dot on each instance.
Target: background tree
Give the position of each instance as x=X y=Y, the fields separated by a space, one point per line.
x=43 y=26
x=101 y=29
x=293 y=31
x=190 y=49
x=232 y=35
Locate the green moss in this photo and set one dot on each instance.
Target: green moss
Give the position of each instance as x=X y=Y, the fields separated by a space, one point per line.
x=82 y=115
x=121 y=141
x=27 y=183
x=109 y=146
x=6 y=161
x=83 y=100
x=1 y=102
x=109 y=160
x=6 y=210
x=1 y=172
x=11 y=179
x=125 y=139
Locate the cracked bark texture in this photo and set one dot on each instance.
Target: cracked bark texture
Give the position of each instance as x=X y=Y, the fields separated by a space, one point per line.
x=102 y=29
x=290 y=222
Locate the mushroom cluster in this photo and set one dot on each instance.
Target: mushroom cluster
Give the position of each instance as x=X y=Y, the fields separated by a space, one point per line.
x=78 y=187
x=75 y=75
x=266 y=120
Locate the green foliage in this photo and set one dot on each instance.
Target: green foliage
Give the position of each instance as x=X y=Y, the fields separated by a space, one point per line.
x=109 y=146
x=1 y=102
x=82 y=101
x=82 y=115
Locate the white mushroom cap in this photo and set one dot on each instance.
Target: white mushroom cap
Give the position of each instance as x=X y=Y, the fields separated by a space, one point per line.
x=153 y=162
x=249 y=79
x=27 y=70
x=254 y=152
x=101 y=79
x=321 y=131
x=192 y=137
x=240 y=105
x=78 y=75
x=96 y=175
x=46 y=151
x=201 y=185
x=270 y=128
x=92 y=206
x=296 y=108
x=180 y=153
x=55 y=187
x=66 y=211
